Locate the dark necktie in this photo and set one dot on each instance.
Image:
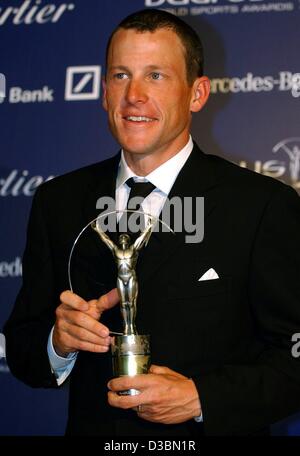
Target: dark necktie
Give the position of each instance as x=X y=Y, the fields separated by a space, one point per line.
x=142 y=190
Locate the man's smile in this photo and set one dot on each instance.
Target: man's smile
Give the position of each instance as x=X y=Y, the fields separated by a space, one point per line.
x=139 y=119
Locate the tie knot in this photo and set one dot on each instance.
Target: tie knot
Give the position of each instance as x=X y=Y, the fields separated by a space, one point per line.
x=141 y=189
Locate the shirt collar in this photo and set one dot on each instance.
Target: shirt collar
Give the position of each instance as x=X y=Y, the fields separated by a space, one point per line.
x=162 y=177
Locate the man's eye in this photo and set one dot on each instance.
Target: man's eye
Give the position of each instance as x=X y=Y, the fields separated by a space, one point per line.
x=156 y=75
x=120 y=76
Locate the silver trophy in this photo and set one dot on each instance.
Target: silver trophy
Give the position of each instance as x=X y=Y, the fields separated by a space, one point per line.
x=130 y=351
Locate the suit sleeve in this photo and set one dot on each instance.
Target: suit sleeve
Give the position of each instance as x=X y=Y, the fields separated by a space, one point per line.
x=244 y=397
x=29 y=325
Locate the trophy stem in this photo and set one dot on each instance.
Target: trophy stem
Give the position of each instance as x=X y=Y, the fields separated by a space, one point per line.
x=130 y=356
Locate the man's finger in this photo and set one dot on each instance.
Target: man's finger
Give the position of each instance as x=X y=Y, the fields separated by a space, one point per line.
x=138 y=382
x=124 y=402
x=108 y=300
x=71 y=299
x=84 y=335
x=74 y=344
x=85 y=321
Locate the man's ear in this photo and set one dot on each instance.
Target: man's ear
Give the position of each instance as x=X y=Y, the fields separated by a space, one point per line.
x=200 y=93
x=104 y=93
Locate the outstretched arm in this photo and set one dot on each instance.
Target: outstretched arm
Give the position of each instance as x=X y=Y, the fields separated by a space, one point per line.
x=96 y=227
x=144 y=236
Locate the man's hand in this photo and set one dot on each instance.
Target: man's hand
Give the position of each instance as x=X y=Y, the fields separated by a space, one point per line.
x=165 y=396
x=77 y=326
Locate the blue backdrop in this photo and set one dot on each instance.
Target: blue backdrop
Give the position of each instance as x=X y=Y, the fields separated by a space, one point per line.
x=52 y=57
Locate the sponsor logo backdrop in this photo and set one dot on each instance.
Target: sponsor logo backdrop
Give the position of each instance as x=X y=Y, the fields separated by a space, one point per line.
x=52 y=58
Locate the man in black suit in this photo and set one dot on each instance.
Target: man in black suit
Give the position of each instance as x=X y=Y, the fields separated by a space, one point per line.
x=221 y=349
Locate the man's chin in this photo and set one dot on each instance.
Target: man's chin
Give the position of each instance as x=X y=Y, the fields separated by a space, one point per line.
x=137 y=148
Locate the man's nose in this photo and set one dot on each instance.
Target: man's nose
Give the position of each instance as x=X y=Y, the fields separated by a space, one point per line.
x=136 y=92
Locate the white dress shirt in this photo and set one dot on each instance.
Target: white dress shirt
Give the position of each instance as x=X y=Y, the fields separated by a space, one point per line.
x=162 y=178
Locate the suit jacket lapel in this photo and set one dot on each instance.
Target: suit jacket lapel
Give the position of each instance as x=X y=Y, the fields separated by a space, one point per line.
x=102 y=183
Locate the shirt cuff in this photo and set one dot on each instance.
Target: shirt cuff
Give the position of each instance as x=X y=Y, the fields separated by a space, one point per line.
x=61 y=366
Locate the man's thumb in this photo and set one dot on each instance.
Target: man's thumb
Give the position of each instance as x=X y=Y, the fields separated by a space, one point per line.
x=108 y=300
x=154 y=369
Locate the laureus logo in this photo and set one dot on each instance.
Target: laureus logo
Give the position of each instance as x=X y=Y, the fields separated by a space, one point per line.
x=285 y=167
x=291 y=147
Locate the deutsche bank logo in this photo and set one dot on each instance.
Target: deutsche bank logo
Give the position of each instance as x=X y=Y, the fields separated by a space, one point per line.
x=83 y=83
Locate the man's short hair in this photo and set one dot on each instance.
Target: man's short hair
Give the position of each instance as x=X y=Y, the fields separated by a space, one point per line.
x=150 y=20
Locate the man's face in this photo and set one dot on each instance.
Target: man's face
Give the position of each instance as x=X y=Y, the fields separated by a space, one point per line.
x=146 y=93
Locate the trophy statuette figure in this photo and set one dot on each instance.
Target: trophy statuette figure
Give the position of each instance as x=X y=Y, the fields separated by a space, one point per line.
x=130 y=351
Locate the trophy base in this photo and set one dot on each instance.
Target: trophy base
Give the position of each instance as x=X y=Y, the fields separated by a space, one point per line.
x=130 y=356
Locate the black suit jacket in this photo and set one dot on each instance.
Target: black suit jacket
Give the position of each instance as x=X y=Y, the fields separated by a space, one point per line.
x=231 y=335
